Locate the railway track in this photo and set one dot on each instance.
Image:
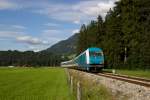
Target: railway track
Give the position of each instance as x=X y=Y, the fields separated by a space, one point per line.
x=134 y=80
x=129 y=79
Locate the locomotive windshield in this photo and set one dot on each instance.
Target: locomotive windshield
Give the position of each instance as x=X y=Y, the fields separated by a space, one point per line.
x=95 y=54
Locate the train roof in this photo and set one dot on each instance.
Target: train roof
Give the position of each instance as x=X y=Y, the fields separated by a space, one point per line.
x=94 y=49
x=90 y=49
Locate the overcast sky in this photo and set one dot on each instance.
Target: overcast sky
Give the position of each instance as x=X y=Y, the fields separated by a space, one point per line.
x=38 y=24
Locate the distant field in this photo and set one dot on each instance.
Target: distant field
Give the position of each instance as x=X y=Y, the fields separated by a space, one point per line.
x=33 y=84
x=137 y=73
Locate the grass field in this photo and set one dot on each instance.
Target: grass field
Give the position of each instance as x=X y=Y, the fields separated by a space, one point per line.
x=137 y=73
x=33 y=84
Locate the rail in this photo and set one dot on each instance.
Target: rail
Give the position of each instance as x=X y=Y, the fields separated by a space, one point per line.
x=134 y=80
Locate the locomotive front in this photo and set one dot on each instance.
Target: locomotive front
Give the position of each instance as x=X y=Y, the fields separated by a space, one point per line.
x=96 y=58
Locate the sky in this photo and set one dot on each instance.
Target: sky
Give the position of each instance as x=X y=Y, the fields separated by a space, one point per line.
x=38 y=24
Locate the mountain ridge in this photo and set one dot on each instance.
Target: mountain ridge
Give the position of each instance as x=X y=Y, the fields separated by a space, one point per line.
x=65 y=47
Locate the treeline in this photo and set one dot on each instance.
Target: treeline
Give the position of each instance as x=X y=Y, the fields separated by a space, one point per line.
x=124 y=35
x=29 y=59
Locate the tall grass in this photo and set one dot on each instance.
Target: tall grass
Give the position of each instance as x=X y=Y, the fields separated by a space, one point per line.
x=90 y=89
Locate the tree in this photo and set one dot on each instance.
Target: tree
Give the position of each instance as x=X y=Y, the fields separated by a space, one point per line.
x=82 y=41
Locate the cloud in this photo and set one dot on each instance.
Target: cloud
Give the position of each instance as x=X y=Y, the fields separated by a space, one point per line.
x=10 y=34
x=18 y=27
x=75 y=31
x=16 y=33
x=74 y=13
x=77 y=22
x=6 y=4
x=21 y=37
x=31 y=40
x=77 y=13
x=55 y=35
x=22 y=4
x=51 y=24
x=93 y=8
x=12 y=28
x=52 y=32
x=36 y=48
x=80 y=12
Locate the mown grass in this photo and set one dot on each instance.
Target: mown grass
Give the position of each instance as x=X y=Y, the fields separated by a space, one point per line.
x=137 y=73
x=33 y=84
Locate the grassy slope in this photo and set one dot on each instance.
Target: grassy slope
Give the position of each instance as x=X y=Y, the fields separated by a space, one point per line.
x=33 y=84
x=137 y=73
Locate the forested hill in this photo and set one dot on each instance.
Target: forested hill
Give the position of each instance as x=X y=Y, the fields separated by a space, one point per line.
x=66 y=47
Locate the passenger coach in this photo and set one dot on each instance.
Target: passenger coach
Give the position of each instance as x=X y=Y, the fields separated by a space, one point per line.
x=91 y=59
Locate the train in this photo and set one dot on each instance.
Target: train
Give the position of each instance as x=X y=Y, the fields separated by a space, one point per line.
x=92 y=59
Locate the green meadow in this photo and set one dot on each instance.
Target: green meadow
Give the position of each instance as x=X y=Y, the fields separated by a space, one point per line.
x=34 y=84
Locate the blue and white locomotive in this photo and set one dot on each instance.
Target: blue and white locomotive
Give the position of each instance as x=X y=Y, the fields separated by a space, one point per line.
x=91 y=59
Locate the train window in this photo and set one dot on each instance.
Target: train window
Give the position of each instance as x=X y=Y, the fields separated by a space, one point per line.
x=95 y=54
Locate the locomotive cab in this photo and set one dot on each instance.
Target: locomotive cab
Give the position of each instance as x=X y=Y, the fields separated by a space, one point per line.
x=96 y=59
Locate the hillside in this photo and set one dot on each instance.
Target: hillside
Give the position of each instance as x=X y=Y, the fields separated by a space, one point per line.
x=67 y=46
